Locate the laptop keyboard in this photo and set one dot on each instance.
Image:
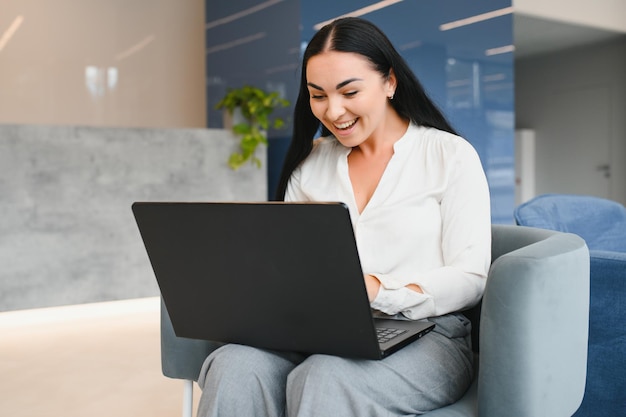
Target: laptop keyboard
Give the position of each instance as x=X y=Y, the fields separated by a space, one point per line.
x=385 y=334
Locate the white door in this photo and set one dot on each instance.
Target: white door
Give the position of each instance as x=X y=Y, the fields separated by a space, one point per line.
x=573 y=143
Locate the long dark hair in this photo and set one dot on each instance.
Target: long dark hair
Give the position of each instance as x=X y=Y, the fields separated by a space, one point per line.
x=362 y=37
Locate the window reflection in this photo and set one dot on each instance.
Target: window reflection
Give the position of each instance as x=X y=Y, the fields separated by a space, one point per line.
x=100 y=80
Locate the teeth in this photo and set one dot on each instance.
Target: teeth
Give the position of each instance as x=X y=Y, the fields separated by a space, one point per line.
x=345 y=125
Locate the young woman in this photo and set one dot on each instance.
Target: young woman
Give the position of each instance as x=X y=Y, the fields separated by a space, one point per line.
x=419 y=205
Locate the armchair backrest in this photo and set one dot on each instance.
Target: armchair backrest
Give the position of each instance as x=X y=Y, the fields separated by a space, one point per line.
x=600 y=222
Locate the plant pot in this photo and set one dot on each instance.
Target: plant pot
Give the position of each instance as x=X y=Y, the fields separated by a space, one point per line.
x=229 y=120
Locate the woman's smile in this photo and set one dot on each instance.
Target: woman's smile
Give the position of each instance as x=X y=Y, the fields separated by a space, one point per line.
x=346 y=125
x=345 y=128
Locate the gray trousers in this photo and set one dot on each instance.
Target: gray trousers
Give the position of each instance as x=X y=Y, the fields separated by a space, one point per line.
x=432 y=372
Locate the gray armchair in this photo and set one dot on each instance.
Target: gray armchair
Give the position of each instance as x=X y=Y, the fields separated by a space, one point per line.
x=530 y=331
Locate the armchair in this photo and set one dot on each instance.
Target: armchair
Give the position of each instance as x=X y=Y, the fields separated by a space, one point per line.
x=530 y=331
x=602 y=224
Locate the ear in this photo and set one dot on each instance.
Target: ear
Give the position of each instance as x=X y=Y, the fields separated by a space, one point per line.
x=391 y=83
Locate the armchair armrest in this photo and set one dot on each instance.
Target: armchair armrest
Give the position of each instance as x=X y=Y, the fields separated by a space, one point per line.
x=533 y=334
x=181 y=357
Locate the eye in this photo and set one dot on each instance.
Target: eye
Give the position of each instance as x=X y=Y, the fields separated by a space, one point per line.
x=317 y=96
x=350 y=93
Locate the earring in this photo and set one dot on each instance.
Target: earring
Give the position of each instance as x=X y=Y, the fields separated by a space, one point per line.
x=391 y=96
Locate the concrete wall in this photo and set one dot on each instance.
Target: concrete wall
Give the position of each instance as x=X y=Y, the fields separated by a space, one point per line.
x=67 y=234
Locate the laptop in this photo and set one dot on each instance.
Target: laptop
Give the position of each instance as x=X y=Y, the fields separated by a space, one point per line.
x=275 y=275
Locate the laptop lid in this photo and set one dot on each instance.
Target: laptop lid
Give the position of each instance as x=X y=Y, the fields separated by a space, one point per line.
x=275 y=275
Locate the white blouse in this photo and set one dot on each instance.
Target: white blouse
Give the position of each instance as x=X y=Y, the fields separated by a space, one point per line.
x=428 y=221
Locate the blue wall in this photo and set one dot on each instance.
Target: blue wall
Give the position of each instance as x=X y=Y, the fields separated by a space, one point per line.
x=260 y=42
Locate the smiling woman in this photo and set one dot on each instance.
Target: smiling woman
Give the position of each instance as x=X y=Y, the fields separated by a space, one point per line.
x=419 y=206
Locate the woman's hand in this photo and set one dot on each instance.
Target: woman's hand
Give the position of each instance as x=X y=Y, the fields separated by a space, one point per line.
x=372 y=284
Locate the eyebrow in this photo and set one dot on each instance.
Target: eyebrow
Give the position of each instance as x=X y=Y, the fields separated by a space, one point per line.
x=341 y=84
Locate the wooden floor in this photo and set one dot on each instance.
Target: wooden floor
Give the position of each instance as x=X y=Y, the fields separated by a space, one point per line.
x=92 y=360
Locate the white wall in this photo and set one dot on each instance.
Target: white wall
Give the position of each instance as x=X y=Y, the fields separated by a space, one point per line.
x=525 y=158
x=103 y=63
x=574 y=135
x=603 y=14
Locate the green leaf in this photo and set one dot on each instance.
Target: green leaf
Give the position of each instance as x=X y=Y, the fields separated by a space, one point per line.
x=256 y=106
x=236 y=161
x=242 y=128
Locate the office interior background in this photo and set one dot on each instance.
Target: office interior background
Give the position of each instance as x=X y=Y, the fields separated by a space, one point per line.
x=103 y=103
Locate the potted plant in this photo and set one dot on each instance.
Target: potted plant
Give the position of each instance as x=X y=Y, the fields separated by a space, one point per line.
x=255 y=107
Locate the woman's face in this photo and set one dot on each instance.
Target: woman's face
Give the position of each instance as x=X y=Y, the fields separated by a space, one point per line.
x=348 y=96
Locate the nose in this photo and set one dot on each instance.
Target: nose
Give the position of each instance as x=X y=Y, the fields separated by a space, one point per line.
x=335 y=108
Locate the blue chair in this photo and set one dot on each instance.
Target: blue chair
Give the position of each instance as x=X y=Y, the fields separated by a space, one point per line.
x=530 y=331
x=602 y=224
